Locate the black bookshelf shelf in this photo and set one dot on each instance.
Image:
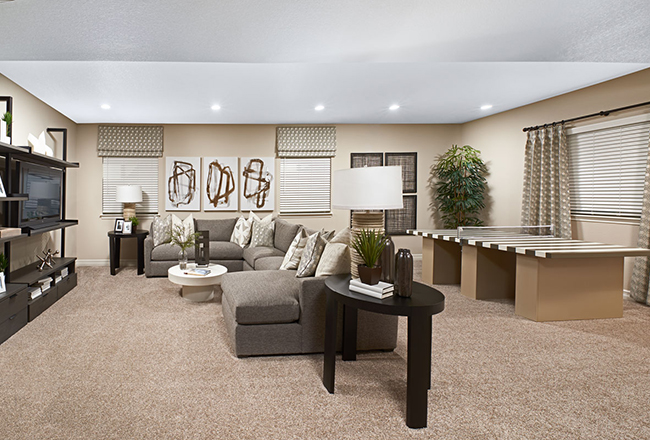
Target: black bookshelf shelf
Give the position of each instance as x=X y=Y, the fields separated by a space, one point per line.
x=20 y=198
x=53 y=227
x=30 y=274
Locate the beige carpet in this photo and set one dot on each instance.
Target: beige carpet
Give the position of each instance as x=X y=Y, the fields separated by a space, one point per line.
x=125 y=357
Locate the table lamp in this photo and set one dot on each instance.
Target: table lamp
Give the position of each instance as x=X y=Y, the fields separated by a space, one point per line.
x=129 y=195
x=368 y=191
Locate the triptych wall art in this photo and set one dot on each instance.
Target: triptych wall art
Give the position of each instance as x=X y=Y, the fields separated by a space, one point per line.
x=219 y=183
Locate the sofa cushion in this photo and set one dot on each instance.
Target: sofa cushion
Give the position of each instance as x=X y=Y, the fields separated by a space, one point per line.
x=266 y=297
x=169 y=252
x=311 y=255
x=225 y=250
x=219 y=229
x=284 y=234
x=269 y=263
x=252 y=254
x=262 y=234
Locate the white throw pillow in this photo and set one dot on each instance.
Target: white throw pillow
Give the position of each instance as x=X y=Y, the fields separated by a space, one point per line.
x=311 y=255
x=291 y=260
x=242 y=232
x=188 y=225
x=335 y=260
x=161 y=229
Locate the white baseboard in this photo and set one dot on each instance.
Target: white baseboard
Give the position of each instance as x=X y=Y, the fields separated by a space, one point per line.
x=417 y=257
x=104 y=262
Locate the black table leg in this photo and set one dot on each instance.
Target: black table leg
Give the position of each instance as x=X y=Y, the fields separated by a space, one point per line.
x=140 y=255
x=418 y=366
x=349 y=333
x=329 y=362
x=111 y=243
x=117 y=251
x=428 y=344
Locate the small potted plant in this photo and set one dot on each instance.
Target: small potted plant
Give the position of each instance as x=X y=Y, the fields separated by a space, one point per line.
x=7 y=118
x=183 y=240
x=4 y=263
x=134 y=223
x=369 y=244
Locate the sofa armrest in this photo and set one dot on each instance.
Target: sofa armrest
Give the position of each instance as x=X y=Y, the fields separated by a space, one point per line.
x=148 y=247
x=374 y=331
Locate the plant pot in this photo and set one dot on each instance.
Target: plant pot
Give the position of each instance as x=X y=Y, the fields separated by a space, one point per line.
x=369 y=275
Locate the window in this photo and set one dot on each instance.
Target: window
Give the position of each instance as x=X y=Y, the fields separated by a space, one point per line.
x=607 y=166
x=141 y=171
x=305 y=185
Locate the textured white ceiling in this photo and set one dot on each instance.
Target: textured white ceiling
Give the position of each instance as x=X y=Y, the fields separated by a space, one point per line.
x=273 y=61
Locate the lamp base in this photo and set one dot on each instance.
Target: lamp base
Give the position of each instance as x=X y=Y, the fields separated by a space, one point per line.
x=363 y=220
x=129 y=211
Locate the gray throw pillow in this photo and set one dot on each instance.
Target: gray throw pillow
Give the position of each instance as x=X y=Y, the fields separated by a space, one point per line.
x=262 y=235
x=161 y=229
x=311 y=255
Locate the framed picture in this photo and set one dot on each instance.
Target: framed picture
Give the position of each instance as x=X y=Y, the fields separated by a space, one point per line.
x=119 y=225
x=399 y=220
x=6 y=105
x=409 y=164
x=257 y=184
x=183 y=180
x=2 y=189
x=220 y=183
x=3 y=285
x=128 y=227
x=360 y=160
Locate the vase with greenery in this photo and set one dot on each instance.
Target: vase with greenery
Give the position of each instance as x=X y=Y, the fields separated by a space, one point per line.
x=184 y=240
x=369 y=244
x=458 y=183
x=4 y=264
x=134 y=224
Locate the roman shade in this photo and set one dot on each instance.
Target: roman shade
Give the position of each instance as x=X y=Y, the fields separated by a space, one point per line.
x=130 y=141
x=306 y=141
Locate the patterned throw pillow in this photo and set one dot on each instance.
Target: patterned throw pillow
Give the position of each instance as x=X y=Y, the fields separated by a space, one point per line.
x=161 y=229
x=311 y=255
x=262 y=235
x=335 y=260
x=242 y=232
x=291 y=260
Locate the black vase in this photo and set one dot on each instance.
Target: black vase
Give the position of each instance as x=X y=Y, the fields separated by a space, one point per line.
x=404 y=273
x=388 y=262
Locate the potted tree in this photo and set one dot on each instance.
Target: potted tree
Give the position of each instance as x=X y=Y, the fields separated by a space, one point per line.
x=369 y=244
x=184 y=240
x=458 y=183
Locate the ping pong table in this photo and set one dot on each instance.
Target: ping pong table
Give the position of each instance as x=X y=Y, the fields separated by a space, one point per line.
x=550 y=279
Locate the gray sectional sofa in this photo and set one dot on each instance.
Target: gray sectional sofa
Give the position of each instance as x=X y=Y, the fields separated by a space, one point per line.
x=269 y=311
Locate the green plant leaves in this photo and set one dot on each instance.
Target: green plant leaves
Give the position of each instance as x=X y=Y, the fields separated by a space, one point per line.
x=369 y=244
x=459 y=184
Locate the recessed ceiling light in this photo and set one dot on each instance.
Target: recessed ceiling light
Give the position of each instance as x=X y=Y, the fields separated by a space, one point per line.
x=216 y=107
x=106 y=107
x=319 y=107
x=393 y=107
x=486 y=107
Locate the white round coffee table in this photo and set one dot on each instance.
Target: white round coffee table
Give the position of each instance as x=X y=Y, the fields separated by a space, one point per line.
x=197 y=287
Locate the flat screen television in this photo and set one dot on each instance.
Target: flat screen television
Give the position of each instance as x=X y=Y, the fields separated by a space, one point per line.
x=43 y=187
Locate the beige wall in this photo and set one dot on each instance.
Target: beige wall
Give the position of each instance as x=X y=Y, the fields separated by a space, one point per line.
x=31 y=115
x=501 y=141
x=249 y=140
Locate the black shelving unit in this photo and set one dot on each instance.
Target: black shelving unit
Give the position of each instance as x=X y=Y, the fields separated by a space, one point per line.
x=15 y=303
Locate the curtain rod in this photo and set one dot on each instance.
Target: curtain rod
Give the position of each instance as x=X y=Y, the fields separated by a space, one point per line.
x=601 y=113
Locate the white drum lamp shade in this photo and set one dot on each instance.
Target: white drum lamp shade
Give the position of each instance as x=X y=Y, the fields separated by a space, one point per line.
x=367 y=189
x=129 y=195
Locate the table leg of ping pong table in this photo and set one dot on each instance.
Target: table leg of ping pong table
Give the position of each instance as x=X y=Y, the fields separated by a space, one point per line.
x=487 y=273
x=440 y=261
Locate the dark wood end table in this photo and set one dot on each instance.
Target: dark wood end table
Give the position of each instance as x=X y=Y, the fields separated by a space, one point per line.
x=419 y=308
x=114 y=239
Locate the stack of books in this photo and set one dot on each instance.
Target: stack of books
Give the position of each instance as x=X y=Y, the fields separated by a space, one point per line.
x=34 y=292
x=45 y=284
x=380 y=290
x=64 y=272
x=197 y=272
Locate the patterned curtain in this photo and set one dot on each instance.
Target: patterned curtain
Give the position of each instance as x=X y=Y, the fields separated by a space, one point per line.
x=640 y=274
x=545 y=199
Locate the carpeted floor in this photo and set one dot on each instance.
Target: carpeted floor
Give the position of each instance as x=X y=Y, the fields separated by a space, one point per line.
x=125 y=357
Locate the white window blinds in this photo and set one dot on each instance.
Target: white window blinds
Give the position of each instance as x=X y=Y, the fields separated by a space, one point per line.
x=141 y=171
x=305 y=185
x=607 y=170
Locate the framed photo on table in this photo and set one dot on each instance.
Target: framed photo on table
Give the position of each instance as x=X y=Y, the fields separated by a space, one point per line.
x=128 y=227
x=119 y=225
x=3 y=193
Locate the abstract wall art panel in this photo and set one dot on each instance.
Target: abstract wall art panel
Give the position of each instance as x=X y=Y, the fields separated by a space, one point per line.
x=409 y=164
x=220 y=183
x=399 y=220
x=360 y=160
x=183 y=181
x=257 y=183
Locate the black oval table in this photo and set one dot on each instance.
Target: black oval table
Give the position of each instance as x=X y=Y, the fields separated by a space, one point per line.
x=419 y=308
